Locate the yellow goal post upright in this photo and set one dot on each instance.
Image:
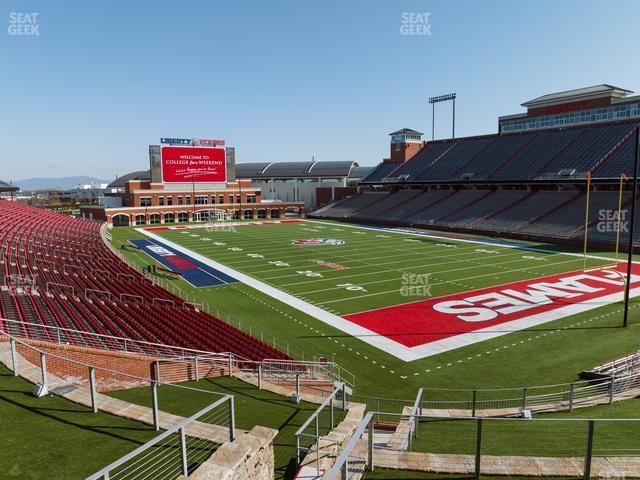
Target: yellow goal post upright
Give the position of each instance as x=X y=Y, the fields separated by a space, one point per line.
x=611 y=266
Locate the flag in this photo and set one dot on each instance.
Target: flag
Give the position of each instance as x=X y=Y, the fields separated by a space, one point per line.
x=624 y=177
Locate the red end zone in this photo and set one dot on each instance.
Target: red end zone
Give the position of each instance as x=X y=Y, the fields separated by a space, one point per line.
x=465 y=314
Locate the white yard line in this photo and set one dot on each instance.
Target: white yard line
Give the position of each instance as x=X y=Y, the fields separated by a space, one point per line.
x=463 y=279
x=452 y=343
x=435 y=253
x=466 y=240
x=389 y=346
x=340 y=323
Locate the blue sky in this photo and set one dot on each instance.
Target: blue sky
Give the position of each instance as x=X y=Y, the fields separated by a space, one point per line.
x=285 y=80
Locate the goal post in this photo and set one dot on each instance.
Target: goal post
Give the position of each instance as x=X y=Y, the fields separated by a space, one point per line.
x=623 y=178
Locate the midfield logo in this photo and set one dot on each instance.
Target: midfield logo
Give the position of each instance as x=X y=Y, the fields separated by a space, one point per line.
x=317 y=241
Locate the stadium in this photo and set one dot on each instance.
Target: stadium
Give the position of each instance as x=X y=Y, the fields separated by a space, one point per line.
x=460 y=313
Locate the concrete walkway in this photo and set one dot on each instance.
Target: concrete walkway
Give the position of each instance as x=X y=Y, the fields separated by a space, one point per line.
x=82 y=395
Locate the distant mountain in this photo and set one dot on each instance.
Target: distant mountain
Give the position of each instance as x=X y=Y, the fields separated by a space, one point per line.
x=63 y=183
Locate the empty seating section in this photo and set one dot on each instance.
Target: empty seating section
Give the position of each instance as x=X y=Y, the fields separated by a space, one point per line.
x=554 y=214
x=455 y=158
x=478 y=210
x=433 y=152
x=413 y=204
x=603 y=225
x=389 y=202
x=519 y=156
x=555 y=223
x=381 y=172
x=57 y=271
x=592 y=146
x=511 y=217
x=538 y=154
x=344 y=209
x=501 y=167
x=489 y=159
x=621 y=160
x=435 y=212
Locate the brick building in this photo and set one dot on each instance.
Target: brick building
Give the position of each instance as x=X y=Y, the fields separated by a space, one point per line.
x=167 y=193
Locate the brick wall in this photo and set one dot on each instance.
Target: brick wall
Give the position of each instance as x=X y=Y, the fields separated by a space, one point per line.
x=127 y=364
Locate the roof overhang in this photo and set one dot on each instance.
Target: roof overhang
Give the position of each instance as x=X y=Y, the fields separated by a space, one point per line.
x=579 y=94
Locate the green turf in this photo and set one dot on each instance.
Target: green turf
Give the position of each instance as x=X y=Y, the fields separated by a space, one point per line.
x=376 y=262
x=530 y=438
x=550 y=353
x=561 y=348
x=252 y=407
x=53 y=438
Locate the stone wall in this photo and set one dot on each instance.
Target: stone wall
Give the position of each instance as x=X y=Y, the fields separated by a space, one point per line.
x=248 y=457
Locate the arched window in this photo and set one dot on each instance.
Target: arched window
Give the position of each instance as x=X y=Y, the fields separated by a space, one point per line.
x=183 y=217
x=168 y=218
x=248 y=214
x=120 y=220
x=141 y=219
x=154 y=218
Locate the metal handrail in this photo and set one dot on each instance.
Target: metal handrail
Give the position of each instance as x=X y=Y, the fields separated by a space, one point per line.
x=104 y=473
x=114 y=339
x=166 y=352
x=98 y=368
x=343 y=458
x=321 y=407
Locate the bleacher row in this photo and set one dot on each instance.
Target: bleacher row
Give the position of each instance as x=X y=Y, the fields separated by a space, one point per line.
x=603 y=149
x=57 y=271
x=554 y=214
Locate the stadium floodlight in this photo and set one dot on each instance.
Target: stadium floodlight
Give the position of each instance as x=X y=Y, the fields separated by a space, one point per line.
x=449 y=97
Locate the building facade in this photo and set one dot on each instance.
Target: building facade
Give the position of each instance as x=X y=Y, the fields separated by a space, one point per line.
x=185 y=188
x=313 y=183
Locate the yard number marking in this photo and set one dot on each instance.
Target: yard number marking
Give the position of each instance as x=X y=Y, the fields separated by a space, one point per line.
x=531 y=257
x=309 y=273
x=279 y=263
x=351 y=287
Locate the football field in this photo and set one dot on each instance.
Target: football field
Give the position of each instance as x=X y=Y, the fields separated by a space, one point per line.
x=409 y=293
